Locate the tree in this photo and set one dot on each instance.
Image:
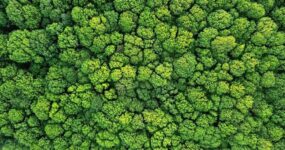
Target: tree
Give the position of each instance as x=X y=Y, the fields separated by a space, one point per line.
x=23 y=16
x=220 y=19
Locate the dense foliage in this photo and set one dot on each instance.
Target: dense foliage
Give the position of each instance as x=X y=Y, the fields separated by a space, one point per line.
x=142 y=74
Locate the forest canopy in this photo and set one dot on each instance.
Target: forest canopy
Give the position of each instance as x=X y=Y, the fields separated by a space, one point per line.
x=142 y=74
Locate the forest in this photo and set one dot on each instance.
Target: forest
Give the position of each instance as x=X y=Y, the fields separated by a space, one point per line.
x=142 y=74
